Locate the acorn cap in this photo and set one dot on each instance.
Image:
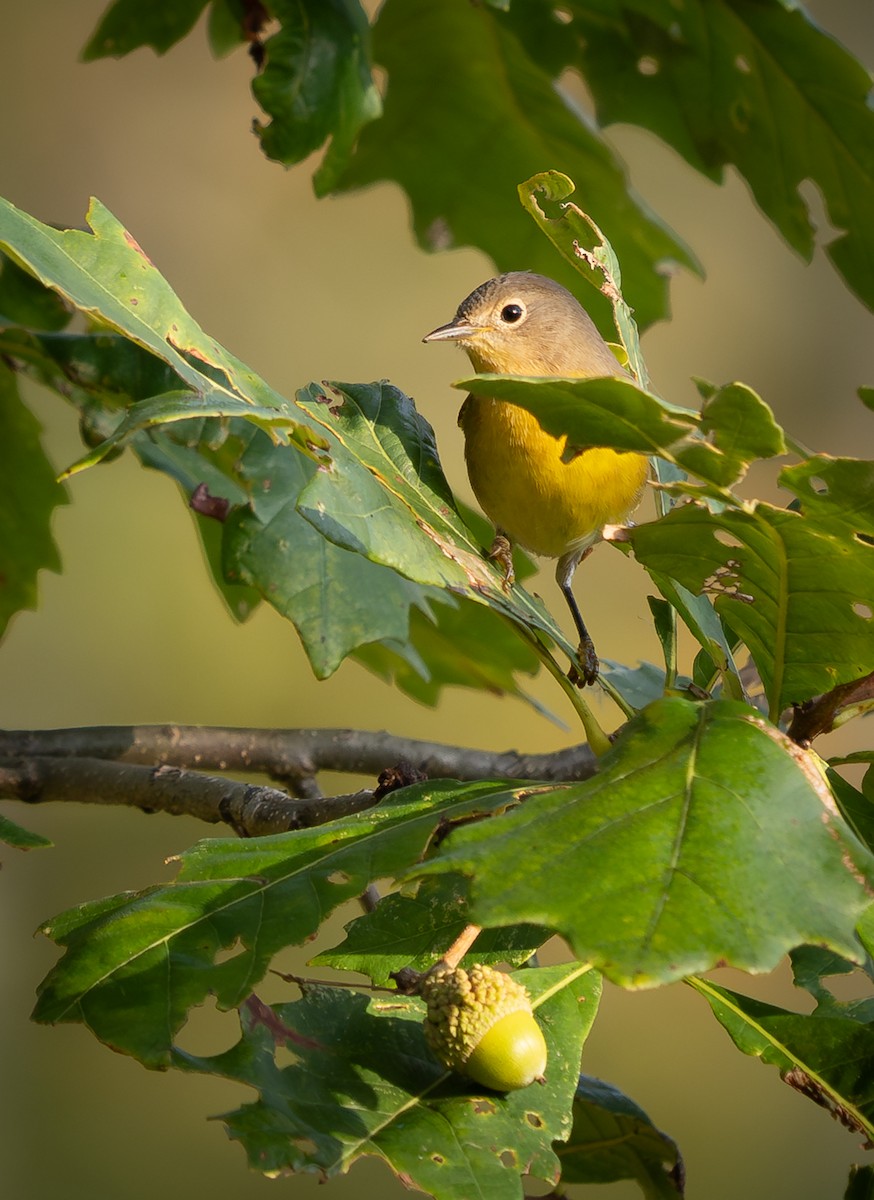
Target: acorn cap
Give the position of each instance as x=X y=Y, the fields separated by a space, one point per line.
x=479 y=1022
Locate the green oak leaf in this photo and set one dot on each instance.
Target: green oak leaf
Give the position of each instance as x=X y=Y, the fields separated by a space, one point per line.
x=388 y=490
x=834 y=490
x=29 y=494
x=22 y=839
x=461 y=159
x=797 y=591
x=736 y=427
x=316 y=84
x=829 y=1059
x=812 y=965
x=128 y=24
x=108 y=277
x=575 y=235
x=706 y=837
x=136 y=963
x=422 y=638
x=363 y=1083
x=752 y=84
x=414 y=929
x=613 y=1138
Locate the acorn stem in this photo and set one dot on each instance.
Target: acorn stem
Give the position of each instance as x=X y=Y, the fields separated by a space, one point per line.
x=461 y=945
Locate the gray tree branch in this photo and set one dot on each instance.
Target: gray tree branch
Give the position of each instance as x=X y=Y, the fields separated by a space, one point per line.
x=161 y=768
x=248 y=809
x=292 y=755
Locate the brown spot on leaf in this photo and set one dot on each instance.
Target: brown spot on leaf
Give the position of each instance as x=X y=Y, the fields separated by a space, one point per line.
x=814 y=1090
x=203 y=502
x=134 y=245
x=257 y=1013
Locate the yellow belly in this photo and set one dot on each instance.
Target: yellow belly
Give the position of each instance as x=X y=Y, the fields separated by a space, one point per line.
x=548 y=506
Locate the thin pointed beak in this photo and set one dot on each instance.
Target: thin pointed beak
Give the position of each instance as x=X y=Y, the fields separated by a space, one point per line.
x=455 y=331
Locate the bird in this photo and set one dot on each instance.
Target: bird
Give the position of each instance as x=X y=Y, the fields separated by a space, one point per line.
x=521 y=323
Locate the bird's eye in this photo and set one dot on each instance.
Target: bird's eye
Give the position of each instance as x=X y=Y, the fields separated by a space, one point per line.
x=511 y=313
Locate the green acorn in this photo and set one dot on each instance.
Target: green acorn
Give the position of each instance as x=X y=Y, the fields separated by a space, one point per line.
x=480 y=1024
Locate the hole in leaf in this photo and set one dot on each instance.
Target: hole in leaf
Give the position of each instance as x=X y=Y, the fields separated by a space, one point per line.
x=725 y=581
x=563 y=15
x=648 y=65
x=824 y=227
x=207 y=1031
x=739 y=113
x=338 y=877
x=743 y=64
x=483 y=1107
x=727 y=539
x=509 y=1158
x=284 y=1055
x=438 y=1159
x=818 y=485
x=533 y=1120
x=863 y=610
x=306 y=1145
x=228 y=952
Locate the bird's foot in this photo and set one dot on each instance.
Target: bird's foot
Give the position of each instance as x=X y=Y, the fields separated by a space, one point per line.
x=587 y=670
x=501 y=553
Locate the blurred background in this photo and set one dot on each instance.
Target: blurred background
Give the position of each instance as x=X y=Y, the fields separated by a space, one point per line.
x=132 y=631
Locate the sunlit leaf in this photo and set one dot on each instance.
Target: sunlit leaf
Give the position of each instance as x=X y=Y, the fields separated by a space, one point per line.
x=736 y=427
x=706 y=837
x=828 y=1059
x=798 y=593
x=106 y=275
x=575 y=235
x=136 y=963
x=415 y=929
x=389 y=490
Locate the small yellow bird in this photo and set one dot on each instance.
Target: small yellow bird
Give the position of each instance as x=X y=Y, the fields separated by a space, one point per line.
x=526 y=324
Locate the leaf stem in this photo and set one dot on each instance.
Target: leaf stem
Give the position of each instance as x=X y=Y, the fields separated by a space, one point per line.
x=597 y=738
x=627 y=710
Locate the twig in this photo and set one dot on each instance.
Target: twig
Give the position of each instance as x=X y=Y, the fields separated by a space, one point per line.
x=250 y=810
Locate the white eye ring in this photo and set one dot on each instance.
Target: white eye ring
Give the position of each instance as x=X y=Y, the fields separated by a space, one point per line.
x=513 y=312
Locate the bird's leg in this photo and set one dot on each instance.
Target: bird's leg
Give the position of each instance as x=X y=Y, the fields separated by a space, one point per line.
x=564 y=574
x=501 y=552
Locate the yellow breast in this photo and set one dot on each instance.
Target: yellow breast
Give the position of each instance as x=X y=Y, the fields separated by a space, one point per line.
x=548 y=506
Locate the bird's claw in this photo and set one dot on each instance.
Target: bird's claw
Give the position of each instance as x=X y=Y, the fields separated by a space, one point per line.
x=501 y=553
x=586 y=670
